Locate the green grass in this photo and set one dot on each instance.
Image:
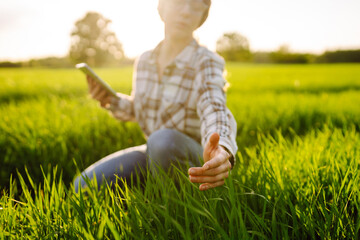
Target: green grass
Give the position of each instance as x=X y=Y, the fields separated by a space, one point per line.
x=297 y=175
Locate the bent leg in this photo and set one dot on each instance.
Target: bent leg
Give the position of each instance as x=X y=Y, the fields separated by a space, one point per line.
x=167 y=147
x=124 y=164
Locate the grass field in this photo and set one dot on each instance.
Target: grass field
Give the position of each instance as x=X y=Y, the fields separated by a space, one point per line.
x=297 y=174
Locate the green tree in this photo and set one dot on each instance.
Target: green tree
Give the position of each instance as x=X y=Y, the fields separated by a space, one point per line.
x=94 y=43
x=234 y=47
x=284 y=55
x=340 y=56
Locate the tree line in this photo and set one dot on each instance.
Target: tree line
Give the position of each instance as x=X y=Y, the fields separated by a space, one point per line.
x=94 y=43
x=235 y=47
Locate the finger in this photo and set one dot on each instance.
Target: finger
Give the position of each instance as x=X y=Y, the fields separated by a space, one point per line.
x=216 y=161
x=90 y=81
x=92 y=87
x=211 y=172
x=196 y=170
x=98 y=92
x=93 y=84
x=207 y=186
x=209 y=179
x=88 y=78
x=102 y=96
x=94 y=91
x=212 y=143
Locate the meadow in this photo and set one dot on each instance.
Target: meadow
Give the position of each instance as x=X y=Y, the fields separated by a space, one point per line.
x=297 y=173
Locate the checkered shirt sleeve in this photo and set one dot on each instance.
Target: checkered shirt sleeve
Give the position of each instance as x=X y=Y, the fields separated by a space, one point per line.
x=123 y=108
x=211 y=105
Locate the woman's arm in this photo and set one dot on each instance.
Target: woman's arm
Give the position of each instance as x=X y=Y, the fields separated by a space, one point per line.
x=211 y=106
x=218 y=127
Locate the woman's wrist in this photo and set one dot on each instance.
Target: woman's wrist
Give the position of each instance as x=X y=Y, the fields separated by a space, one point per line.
x=231 y=158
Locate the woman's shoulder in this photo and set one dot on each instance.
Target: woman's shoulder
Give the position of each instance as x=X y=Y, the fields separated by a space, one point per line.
x=150 y=56
x=142 y=62
x=205 y=55
x=145 y=56
x=212 y=65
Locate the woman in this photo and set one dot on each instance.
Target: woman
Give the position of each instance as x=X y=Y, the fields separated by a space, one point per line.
x=178 y=101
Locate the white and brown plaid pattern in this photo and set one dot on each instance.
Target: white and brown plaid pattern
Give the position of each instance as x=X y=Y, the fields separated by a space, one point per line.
x=190 y=97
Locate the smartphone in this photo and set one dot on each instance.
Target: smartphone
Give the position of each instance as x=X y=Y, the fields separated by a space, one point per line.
x=88 y=71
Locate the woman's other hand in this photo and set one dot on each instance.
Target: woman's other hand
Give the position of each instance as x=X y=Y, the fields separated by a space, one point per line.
x=99 y=93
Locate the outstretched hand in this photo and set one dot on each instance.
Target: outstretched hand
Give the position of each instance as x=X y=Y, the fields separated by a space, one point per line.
x=216 y=167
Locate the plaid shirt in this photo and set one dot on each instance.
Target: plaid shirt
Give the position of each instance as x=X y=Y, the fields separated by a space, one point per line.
x=189 y=98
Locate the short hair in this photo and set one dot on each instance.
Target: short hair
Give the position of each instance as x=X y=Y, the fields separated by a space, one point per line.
x=204 y=17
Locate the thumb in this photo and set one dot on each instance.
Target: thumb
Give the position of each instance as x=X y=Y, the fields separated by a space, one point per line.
x=212 y=143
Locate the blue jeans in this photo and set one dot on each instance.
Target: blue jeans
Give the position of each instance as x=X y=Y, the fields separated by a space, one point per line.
x=164 y=148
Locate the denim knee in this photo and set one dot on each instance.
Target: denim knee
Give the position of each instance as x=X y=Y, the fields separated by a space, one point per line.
x=162 y=148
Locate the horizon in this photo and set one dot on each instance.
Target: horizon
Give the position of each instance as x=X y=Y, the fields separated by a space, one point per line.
x=305 y=27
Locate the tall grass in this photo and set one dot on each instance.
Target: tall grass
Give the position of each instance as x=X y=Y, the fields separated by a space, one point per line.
x=51 y=132
x=296 y=178
x=47 y=118
x=307 y=188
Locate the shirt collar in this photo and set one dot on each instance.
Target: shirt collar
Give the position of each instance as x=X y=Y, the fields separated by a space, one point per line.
x=182 y=59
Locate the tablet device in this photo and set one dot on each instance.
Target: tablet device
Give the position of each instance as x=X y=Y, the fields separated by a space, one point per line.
x=88 y=71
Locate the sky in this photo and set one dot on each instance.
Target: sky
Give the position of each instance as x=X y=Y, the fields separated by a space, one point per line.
x=41 y=28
